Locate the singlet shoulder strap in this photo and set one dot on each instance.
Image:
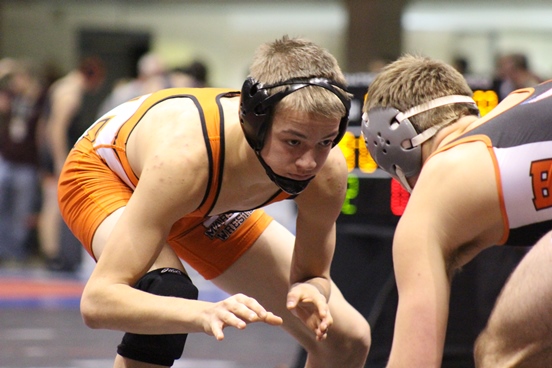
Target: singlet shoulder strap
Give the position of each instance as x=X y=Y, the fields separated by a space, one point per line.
x=208 y=102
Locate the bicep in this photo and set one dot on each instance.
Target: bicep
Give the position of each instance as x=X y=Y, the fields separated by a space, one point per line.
x=159 y=200
x=453 y=213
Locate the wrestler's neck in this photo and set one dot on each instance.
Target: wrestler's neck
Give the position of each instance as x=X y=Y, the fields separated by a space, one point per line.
x=447 y=135
x=242 y=160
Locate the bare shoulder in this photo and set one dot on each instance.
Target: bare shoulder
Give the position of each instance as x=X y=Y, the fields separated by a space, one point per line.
x=171 y=130
x=460 y=175
x=456 y=199
x=336 y=166
x=467 y=163
x=331 y=181
x=327 y=190
x=168 y=149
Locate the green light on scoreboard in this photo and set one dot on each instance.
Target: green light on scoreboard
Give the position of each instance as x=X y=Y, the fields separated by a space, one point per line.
x=352 y=192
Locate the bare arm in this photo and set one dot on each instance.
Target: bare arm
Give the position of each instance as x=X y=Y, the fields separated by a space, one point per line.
x=451 y=216
x=318 y=208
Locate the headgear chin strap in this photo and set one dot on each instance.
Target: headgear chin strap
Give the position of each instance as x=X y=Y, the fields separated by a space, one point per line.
x=393 y=141
x=290 y=186
x=256 y=112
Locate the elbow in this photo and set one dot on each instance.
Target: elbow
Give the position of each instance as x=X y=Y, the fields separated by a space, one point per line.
x=90 y=321
x=92 y=313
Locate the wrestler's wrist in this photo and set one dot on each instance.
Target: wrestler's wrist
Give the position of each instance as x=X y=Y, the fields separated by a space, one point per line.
x=322 y=284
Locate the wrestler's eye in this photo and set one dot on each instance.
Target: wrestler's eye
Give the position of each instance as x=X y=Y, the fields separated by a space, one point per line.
x=293 y=142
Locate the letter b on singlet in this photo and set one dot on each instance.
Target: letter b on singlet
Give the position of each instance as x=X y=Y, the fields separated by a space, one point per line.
x=541 y=172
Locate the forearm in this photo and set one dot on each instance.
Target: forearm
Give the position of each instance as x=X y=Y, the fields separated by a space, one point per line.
x=311 y=262
x=418 y=337
x=121 y=307
x=422 y=315
x=312 y=270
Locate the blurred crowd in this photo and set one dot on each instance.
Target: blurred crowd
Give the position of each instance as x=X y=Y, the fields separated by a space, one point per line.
x=42 y=114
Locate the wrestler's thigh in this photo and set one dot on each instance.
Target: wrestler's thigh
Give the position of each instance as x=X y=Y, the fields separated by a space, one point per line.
x=166 y=258
x=103 y=231
x=520 y=325
x=527 y=295
x=263 y=273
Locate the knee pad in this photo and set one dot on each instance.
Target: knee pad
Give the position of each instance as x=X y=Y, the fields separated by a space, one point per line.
x=159 y=349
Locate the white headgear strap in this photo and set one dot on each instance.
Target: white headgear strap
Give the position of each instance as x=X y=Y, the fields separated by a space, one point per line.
x=441 y=101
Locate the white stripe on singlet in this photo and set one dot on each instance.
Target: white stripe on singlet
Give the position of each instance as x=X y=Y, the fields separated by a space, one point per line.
x=103 y=144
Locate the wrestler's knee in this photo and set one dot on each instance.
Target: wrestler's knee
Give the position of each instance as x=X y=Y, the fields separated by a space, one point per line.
x=343 y=348
x=159 y=349
x=492 y=351
x=355 y=345
x=483 y=355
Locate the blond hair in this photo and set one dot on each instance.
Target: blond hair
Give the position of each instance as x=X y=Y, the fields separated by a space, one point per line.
x=412 y=80
x=290 y=58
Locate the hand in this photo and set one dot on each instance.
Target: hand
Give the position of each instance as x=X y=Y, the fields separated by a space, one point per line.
x=307 y=303
x=236 y=311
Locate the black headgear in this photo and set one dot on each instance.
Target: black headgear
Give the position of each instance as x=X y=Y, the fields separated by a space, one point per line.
x=394 y=143
x=257 y=108
x=257 y=105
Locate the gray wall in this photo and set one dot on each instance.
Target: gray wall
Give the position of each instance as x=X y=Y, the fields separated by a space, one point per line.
x=225 y=33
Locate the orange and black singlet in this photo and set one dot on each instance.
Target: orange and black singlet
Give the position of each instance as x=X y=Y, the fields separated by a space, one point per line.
x=519 y=140
x=97 y=179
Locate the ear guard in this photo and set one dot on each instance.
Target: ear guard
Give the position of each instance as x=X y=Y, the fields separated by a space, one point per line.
x=257 y=105
x=394 y=143
x=384 y=137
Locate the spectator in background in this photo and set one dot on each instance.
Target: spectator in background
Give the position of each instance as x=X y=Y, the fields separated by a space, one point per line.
x=152 y=76
x=514 y=73
x=6 y=68
x=193 y=75
x=22 y=103
x=377 y=64
x=62 y=127
x=461 y=64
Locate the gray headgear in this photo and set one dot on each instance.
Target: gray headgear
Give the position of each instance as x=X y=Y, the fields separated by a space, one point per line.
x=393 y=141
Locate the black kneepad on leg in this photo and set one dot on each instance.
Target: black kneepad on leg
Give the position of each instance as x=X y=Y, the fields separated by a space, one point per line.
x=159 y=349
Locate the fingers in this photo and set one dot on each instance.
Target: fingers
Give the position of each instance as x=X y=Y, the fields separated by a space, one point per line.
x=237 y=311
x=323 y=327
x=273 y=319
x=249 y=310
x=308 y=304
x=216 y=330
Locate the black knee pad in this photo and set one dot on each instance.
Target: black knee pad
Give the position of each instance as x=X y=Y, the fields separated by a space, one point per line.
x=159 y=349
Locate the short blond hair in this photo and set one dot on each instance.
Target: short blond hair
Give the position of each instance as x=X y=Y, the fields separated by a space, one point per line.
x=288 y=58
x=412 y=80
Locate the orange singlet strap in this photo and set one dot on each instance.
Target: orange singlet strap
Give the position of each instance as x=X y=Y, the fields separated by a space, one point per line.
x=212 y=122
x=110 y=134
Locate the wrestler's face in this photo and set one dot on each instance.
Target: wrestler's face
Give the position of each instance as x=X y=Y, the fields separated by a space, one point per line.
x=298 y=144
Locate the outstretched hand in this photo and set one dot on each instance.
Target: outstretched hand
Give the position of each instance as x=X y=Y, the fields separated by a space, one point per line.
x=236 y=311
x=307 y=303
